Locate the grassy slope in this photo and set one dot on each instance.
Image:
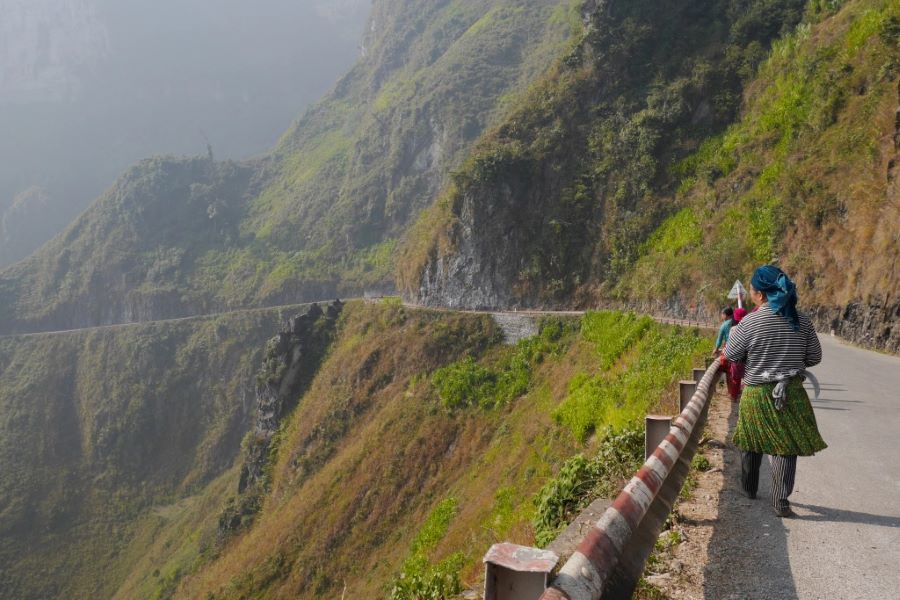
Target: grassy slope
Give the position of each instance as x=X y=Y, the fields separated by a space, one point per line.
x=804 y=176
x=371 y=452
x=321 y=214
x=99 y=427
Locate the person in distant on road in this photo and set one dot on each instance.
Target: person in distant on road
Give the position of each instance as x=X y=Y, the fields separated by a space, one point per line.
x=734 y=371
x=724 y=328
x=776 y=344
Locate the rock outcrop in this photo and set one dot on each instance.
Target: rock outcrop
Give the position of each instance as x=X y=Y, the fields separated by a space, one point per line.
x=291 y=361
x=874 y=324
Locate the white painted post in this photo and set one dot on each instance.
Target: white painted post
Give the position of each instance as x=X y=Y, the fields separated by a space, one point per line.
x=513 y=572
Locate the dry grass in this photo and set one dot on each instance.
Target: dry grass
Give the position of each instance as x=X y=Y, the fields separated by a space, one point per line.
x=370 y=452
x=381 y=469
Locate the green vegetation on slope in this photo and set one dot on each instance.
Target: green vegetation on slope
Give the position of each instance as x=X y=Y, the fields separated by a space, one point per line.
x=420 y=580
x=655 y=359
x=130 y=256
x=466 y=383
x=581 y=480
x=804 y=176
x=669 y=152
x=122 y=456
x=556 y=199
x=379 y=488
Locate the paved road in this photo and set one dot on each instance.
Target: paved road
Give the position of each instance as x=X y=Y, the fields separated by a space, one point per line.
x=845 y=543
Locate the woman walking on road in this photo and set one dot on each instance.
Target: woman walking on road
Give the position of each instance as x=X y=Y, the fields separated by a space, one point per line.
x=776 y=345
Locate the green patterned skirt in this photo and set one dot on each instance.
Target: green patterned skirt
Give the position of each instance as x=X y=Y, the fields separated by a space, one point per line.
x=761 y=428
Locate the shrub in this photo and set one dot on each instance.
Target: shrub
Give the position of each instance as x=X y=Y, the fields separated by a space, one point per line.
x=420 y=579
x=580 y=481
x=605 y=399
x=466 y=383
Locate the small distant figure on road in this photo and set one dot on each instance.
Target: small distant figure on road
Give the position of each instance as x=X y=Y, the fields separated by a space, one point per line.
x=777 y=344
x=734 y=371
x=726 y=315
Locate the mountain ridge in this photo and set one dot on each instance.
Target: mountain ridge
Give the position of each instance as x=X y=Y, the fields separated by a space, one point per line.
x=330 y=202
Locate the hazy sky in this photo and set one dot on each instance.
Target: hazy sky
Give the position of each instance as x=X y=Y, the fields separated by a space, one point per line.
x=88 y=87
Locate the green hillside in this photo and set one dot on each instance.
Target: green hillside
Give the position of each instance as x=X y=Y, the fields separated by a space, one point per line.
x=321 y=214
x=670 y=151
x=423 y=440
x=121 y=459
x=105 y=433
x=807 y=177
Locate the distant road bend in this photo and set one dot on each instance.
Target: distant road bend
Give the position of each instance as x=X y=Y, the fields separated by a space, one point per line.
x=510 y=313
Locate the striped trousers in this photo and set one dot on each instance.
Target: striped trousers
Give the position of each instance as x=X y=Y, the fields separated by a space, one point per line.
x=784 y=469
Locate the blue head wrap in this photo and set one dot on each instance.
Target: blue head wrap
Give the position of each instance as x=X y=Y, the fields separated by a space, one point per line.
x=781 y=293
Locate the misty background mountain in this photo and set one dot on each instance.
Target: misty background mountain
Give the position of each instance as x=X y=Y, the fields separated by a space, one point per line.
x=88 y=87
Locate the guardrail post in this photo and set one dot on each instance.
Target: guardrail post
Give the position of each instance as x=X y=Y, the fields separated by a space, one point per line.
x=686 y=391
x=699 y=373
x=656 y=428
x=514 y=572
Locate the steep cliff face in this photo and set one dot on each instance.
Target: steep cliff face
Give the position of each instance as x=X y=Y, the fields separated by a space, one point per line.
x=561 y=194
x=869 y=324
x=492 y=243
x=292 y=360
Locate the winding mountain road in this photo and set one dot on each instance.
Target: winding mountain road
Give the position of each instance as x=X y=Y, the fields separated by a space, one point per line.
x=502 y=316
x=844 y=543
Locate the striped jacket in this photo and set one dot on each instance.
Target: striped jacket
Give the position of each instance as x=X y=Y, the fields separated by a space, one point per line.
x=768 y=345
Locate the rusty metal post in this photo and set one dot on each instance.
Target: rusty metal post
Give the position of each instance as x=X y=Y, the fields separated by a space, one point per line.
x=514 y=572
x=686 y=390
x=699 y=373
x=656 y=428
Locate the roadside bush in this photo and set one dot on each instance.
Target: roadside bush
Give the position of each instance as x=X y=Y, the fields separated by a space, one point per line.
x=581 y=480
x=466 y=383
x=420 y=579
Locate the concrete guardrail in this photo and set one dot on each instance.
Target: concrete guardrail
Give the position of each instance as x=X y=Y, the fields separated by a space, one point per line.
x=610 y=559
